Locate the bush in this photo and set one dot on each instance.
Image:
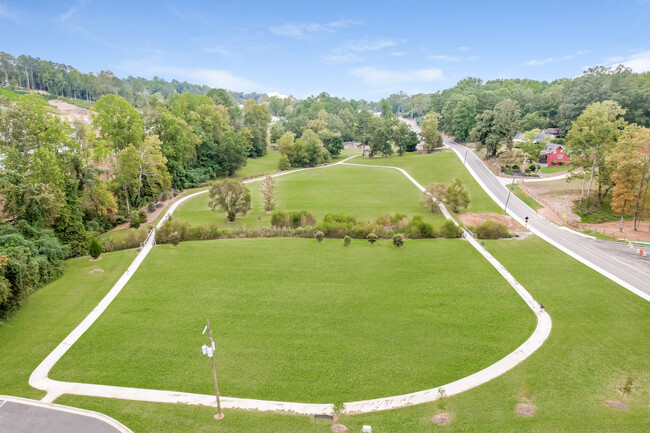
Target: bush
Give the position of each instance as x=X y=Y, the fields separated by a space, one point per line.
x=419 y=229
x=398 y=240
x=142 y=216
x=151 y=207
x=372 y=238
x=319 y=236
x=492 y=230
x=450 y=230
x=135 y=223
x=346 y=241
x=284 y=163
x=280 y=219
x=95 y=249
x=175 y=238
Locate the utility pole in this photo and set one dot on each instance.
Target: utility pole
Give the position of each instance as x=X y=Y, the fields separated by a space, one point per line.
x=465 y=160
x=209 y=350
x=509 y=192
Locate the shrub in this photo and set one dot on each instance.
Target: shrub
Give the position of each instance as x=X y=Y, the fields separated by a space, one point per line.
x=142 y=216
x=450 y=230
x=398 y=240
x=419 y=229
x=151 y=207
x=95 y=249
x=346 y=241
x=280 y=219
x=163 y=197
x=372 y=238
x=175 y=238
x=492 y=230
x=284 y=163
x=135 y=223
x=319 y=236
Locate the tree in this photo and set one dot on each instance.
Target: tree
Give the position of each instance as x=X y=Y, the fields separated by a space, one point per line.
x=485 y=134
x=230 y=196
x=231 y=151
x=332 y=141
x=285 y=143
x=95 y=249
x=267 y=188
x=464 y=117
x=257 y=119
x=533 y=121
x=592 y=137
x=117 y=121
x=379 y=137
x=372 y=238
x=127 y=175
x=398 y=240
x=430 y=134
x=277 y=131
x=630 y=168
x=531 y=148
x=507 y=114
x=437 y=191
x=283 y=163
x=319 y=236
x=405 y=139
x=386 y=109
x=457 y=197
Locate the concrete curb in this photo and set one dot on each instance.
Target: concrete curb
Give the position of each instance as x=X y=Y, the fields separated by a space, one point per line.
x=73 y=410
x=40 y=380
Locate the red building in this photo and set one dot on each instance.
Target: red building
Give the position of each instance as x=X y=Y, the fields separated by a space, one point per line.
x=553 y=154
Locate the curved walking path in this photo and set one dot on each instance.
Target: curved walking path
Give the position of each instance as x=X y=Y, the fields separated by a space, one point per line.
x=39 y=378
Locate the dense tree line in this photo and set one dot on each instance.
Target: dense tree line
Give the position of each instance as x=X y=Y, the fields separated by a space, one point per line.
x=31 y=73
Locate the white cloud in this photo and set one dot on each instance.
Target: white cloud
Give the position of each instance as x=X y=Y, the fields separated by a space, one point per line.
x=369 y=45
x=445 y=58
x=464 y=48
x=639 y=62
x=387 y=77
x=5 y=12
x=398 y=53
x=65 y=16
x=217 y=50
x=210 y=77
x=615 y=59
x=342 y=57
x=538 y=62
x=304 y=30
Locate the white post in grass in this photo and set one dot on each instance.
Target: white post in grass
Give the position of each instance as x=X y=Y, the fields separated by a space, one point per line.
x=209 y=350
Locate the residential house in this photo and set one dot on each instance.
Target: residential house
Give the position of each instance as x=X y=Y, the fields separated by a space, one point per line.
x=553 y=154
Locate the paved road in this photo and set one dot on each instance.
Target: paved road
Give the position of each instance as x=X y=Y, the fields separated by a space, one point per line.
x=35 y=417
x=614 y=260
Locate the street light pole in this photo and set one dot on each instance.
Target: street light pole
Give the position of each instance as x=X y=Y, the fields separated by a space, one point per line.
x=509 y=192
x=465 y=160
x=209 y=350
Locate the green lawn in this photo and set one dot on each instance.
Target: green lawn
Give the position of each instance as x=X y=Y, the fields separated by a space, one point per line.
x=50 y=314
x=526 y=199
x=12 y=96
x=296 y=320
x=598 y=339
x=364 y=193
x=440 y=167
x=554 y=169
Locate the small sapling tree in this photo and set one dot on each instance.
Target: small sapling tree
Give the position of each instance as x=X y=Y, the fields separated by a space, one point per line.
x=372 y=238
x=319 y=235
x=346 y=241
x=267 y=188
x=457 y=197
x=95 y=249
x=398 y=240
x=230 y=196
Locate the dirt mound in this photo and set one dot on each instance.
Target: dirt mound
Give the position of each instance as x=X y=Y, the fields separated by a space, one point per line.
x=96 y=271
x=526 y=409
x=339 y=428
x=475 y=219
x=442 y=418
x=616 y=404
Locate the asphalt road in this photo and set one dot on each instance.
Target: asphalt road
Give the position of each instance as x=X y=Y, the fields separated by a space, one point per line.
x=615 y=260
x=18 y=417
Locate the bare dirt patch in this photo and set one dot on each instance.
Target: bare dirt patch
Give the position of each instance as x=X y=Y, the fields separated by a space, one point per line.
x=95 y=260
x=525 y=409
x=475 y=219
x=442 y=418
x=616 y=404
x=70 y=112
x=339 y=428
x=96 y=271
x=612 y=228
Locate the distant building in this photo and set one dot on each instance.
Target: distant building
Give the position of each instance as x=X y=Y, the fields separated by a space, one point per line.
x=553 y=154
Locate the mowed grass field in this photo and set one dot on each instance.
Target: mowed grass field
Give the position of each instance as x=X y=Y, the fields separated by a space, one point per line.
x=364 y=193
x=50 y=314
x=295 y=320
x=440 y=167
x=598 y=339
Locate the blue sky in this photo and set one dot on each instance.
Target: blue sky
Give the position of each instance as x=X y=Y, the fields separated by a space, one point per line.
x=352 y=49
